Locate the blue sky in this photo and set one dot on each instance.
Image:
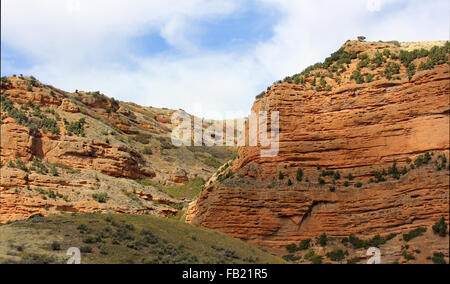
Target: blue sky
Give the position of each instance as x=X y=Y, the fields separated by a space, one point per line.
x=208 y=57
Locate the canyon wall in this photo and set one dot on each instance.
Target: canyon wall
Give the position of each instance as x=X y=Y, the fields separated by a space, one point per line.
x=84 y=152
x=351 y=130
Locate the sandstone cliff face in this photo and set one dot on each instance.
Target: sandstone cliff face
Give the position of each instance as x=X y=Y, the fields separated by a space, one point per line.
x=353 y=129
x=75 y=152
x=45 y=169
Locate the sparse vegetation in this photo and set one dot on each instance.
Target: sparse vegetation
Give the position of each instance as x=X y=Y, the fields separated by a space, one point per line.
x=76 y=128
x=147 y=151
x=143 y=138
x=438 y=258
x=299 y=175
x=292 y=248
x=322 y=240
x=126 y=239
x=414 y=234
x=304 y=245
x=56 y=246
x=101 y=197
x=337 y=255
x=313 y=257
x=376 y=241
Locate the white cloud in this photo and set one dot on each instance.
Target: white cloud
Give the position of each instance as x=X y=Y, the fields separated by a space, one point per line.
x=88 y=44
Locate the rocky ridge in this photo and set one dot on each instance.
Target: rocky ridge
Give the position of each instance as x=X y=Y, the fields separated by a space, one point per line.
x=85 y=152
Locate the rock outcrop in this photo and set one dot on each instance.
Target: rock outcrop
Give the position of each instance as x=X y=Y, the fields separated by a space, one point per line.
x=341 y=138
x=68 y=106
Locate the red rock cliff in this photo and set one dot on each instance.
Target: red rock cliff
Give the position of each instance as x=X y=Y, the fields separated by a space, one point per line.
x=350 y=131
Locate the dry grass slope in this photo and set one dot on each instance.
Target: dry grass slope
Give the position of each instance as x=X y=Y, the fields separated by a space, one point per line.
x=122 y=239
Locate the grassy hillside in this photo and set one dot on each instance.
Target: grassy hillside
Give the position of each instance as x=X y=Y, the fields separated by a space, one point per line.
x=122 y=239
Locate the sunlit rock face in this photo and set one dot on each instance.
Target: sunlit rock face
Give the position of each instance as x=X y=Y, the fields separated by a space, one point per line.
x=355 y=130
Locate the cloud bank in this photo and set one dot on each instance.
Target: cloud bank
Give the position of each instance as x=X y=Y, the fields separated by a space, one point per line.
x=110 y=45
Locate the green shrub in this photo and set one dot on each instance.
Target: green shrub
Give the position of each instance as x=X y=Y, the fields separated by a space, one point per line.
x=280 y=176
x=20 y=165
x=363 y=63
x=414 y=234
x=56 y=246
x=358 y=185
x=299 y=175
x=313 y=257
x=391 y=69
x=411 y=70
x=323 y=239
x=337 y=255
x=443 y=162
x=404 y=171
x=304 y=245
x=292 y=248
x=86 y=249
x=53 y=171
x=76 y=128
x=39 y=166
x=354 y=260
x=166 y=143
x=228 y=175
x=379 y=59
x=18 y=115
x=358 y=77
x=327 y=173
x=38 y=259
x=147 y=151
x=289 y=182
x=101 y=197
x=438 y=258
x=393 y=171
x=363 y=56
x=143 y=138
x=422 y=160
x=292 y=258
x=440 y=228
x=428 y=65
x=91 y=240
x=379 y=177
x=261 y=95
x=408 y=256
x=369 y=78
x=337 y=175
x=321 y=181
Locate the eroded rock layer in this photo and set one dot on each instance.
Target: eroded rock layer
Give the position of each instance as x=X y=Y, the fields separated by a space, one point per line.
x=84 y=152
x=340 y=139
